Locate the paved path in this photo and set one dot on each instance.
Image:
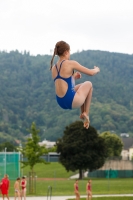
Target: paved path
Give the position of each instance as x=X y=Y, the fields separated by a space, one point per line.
x=70 y=197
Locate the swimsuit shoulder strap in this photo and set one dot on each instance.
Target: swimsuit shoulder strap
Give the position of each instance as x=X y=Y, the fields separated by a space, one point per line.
x=60 y=66
x=58 y=71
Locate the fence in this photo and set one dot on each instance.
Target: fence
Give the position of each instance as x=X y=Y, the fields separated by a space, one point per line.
x=10 y=164
x=114 y=168
x=51 y=157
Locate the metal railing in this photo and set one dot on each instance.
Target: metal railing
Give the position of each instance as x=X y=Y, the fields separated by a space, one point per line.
x=49 y=192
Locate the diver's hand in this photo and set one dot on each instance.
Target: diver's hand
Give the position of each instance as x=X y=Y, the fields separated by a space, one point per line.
x=77 y=75
x=97 y=69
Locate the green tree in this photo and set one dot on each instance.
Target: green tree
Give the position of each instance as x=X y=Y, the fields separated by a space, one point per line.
x=113 y=143
x=81 y=149
x=9 y=147
x=32 y=150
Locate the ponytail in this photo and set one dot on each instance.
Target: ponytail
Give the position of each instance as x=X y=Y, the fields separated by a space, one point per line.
x=51 y=62
x=55 y=53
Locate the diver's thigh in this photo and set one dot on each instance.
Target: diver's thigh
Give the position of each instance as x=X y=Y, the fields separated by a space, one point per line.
x=81 y=94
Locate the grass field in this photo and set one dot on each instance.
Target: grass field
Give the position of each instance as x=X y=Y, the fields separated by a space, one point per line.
x=99 y=186
x=65 y=186
x=52 y=170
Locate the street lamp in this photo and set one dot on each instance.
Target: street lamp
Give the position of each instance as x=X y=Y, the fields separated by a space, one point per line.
x=5 y=159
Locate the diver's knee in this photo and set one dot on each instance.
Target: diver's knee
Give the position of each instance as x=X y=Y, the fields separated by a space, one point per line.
x=89 y=84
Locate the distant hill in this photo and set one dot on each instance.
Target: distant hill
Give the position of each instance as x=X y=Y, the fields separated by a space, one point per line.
x=27 y=94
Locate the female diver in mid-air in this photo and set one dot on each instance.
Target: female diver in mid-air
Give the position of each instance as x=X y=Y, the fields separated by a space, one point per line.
x=68 y=94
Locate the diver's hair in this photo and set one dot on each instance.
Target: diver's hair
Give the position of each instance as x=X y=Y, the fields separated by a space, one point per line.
x=59 y=49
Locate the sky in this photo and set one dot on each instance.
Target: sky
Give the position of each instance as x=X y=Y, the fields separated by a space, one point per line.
x=36 y=25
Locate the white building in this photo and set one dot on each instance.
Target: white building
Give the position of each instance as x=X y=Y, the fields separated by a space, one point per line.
x=131 y=153
x=127 y=152
x=124 y=135
x=47 y=144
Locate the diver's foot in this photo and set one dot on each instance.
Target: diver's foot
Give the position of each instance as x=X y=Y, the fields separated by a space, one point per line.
x=86 y=120
x=86 y=124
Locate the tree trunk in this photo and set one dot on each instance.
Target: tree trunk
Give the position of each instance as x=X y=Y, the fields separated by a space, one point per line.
x=80 y=174
x=32 y=182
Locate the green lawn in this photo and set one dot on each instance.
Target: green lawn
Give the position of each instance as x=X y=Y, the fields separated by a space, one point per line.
x=51 y=170
x=65 y=187
x=99 y=186
x=116 y=186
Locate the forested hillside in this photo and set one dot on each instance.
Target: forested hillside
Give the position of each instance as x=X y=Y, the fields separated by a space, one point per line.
x=27 y=94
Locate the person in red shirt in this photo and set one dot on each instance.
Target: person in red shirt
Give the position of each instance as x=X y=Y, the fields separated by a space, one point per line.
x=88 y=190
x=76 y=190
x=4 y=185
x=23 y=186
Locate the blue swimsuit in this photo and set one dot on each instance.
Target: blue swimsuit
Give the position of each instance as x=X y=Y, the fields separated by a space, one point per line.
x=66 y=101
